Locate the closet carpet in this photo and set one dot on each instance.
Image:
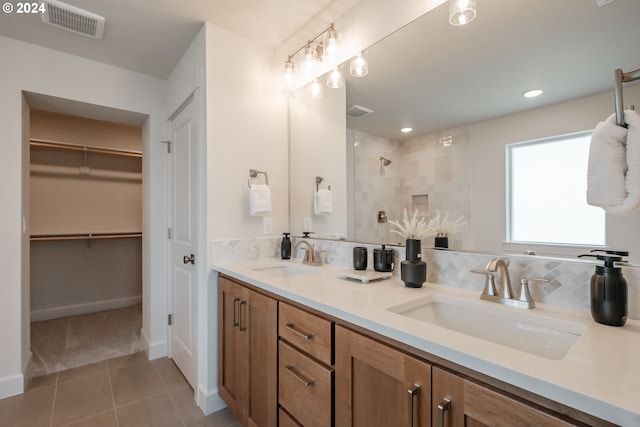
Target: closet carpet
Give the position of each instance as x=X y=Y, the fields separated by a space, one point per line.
x=61 y=344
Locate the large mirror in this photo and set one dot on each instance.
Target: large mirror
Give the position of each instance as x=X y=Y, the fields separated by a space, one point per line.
x=460 y=89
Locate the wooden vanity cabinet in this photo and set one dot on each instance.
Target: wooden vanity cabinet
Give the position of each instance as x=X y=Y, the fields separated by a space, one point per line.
x=378 y=385
x=247 y=346
x=458 y=402
x=281 y=365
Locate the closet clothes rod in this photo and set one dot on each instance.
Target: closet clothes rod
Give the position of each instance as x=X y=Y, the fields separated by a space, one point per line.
x=89 y=236
x=83 y=148
x=619 y=78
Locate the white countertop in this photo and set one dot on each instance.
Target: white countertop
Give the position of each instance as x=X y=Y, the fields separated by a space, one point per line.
x=600 y=375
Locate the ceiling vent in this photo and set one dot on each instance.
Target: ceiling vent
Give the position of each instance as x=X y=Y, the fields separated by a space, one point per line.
x=73 y=19
x=356 y=111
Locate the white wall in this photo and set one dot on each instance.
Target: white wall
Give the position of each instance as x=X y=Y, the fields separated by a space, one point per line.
x=244 y=112
x=246 y=117
x=39 y=70
x=488 y=140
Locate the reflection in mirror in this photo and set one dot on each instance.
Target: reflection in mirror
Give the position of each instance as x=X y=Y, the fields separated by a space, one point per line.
x=460 y=89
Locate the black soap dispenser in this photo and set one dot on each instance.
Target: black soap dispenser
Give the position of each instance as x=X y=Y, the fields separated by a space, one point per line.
x=285 y=246
x=609 y=290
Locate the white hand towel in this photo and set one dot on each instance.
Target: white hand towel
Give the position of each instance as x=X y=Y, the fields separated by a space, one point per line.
x=323 y=202
x=613 y=178
x=259 y=199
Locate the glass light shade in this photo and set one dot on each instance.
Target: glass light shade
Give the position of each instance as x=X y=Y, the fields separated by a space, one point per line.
x=316 y=89
x=461 y=12
x=331 y=42
x=335 y=79
x=289 y=66
x=359 y=66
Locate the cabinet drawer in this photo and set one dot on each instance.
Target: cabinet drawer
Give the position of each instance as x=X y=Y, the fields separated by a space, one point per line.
x=284 y=420
x=308 y=332
x=305 y=389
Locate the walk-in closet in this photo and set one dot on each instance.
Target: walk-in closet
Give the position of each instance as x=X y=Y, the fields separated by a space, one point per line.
x=85 y=208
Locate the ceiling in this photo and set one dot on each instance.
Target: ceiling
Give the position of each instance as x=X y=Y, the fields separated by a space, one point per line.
x=433 y=76
x=150 y=36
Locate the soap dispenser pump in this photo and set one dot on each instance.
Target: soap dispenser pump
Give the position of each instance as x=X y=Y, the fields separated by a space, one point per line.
x=285 y=246
x=609 y=289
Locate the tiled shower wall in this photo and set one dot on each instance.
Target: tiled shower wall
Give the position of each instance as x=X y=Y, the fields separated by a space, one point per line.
x=568 y=279
x=430 y=173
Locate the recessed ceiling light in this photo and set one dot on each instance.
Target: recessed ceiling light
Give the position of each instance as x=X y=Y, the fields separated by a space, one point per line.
x=406 y=130
x=532 y=93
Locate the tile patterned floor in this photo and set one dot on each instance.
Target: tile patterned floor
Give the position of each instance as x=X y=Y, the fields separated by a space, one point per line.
x=127 y=391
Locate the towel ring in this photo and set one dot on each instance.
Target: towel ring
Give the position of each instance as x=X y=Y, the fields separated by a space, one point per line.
x=253 y=173
x=319 y=179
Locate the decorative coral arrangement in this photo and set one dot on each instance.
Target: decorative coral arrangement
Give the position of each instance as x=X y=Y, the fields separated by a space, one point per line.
x=415 y=228
x=446 y=226
x=419 y=228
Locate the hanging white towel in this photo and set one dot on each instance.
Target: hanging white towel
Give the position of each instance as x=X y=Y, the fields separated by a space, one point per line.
x=259 y=199
x=613 y=177
x=323 y=202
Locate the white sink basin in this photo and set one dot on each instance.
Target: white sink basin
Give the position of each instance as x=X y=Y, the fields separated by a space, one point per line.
x=284 y=269
x=525 y=331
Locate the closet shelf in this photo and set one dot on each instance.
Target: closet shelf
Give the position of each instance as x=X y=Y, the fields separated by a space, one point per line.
x=85 y=236
x=35 y=142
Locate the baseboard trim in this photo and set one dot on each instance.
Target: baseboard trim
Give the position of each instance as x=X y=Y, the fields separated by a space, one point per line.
x=155 y=349
x=209 y=401
x=11 y=385
x=91 y=307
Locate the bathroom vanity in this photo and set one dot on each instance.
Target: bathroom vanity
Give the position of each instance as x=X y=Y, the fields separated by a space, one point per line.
x=298 y=345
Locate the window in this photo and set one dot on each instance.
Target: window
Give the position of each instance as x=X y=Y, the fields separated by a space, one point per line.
x=546 y=193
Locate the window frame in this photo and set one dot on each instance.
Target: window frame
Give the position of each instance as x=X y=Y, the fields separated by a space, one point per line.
x=549 y=247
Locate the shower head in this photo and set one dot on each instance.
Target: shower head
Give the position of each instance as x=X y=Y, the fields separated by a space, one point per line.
x=384 y=161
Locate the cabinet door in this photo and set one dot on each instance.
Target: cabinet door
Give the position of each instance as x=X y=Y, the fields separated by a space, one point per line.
x=247 y=353
x=458 y=402
x=232 y=347
x=261 y=328
x=377 y=385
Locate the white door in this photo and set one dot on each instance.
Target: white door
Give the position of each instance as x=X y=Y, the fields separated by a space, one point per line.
x=183 y=205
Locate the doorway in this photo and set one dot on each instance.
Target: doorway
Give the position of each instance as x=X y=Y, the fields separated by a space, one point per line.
x=85 y=192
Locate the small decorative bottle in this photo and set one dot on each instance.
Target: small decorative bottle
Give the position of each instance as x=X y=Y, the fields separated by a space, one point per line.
x=413 y=271
x=285 y=246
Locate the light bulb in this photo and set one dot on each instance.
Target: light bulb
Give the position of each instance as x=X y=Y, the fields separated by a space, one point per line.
x=331 y=42
x=461 y=12
x=289 y=66
x=335 y=79
x=309 y=59
x=359 y=66
x=316 y=89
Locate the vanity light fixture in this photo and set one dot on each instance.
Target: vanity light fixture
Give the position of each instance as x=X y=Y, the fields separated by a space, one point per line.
x=461 y=12
x=532 y=93
x=335 y=79
x=322 y=47
x=359 y=66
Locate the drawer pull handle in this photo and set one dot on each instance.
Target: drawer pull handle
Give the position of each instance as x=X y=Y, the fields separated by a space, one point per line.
x=242 y=319
x=304 y=380
x=443 y=407
x=292 y=328
x=413 y=391
x=236 y=300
